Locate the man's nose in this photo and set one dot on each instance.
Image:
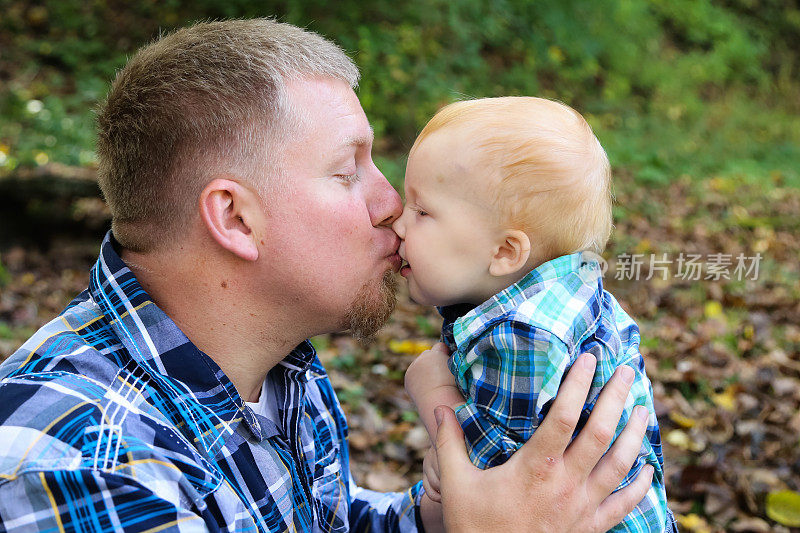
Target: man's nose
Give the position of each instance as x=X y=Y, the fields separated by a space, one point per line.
x=385 y=205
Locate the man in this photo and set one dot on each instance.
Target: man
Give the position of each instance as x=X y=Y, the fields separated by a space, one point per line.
x=178 y=392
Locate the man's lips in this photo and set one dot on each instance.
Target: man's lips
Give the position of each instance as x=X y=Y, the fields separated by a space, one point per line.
x=394 y=256
x=396 y=261
x=403 y=266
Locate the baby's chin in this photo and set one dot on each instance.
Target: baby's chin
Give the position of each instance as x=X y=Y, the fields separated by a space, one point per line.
x=415 y=295
x=420 y=295
x=425 y=299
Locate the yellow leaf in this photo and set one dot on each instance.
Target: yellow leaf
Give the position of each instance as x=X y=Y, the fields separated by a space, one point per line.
x=681 y=420
x=761 y=245
x=556 y=54
x=740 y=212
x=680 y=439
x=722 y=185
x=713 y=309
x=783 y=506
x=693 y=522
x=420 y=347
x=408 y=347
x=725 y=399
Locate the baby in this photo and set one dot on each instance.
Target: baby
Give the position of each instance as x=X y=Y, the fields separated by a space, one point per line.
x=507 y=206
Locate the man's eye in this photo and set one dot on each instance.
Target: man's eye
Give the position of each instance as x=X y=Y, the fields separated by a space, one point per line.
x=349 y=178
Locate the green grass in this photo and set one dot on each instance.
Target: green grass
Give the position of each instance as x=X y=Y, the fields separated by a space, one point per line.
x=672 y=89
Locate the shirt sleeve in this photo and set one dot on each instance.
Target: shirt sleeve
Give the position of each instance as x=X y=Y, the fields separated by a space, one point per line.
x=385 y=511
x=88 y=501
x=510 y=377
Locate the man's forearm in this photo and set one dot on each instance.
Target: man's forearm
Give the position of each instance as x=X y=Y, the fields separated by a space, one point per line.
x=52 y=499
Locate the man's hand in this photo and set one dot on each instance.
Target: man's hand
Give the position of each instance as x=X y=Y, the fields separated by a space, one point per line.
x=550 y=484
x=430 y=476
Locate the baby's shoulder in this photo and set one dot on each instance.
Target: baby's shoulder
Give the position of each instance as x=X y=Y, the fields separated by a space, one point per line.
x=617 y=320
x=566 y=307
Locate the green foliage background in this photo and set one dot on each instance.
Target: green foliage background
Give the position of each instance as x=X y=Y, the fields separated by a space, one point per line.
x=696 y=101
x=672 y=87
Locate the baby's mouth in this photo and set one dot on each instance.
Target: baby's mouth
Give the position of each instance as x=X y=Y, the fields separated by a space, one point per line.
x=405 y=268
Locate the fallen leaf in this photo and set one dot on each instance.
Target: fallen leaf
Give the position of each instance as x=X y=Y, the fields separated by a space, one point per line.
x=784 y=507
x=383 y=479
x=681 y=420
x=693 y=522
x=750 y=525
x=681 y=440
x=713 y=309
x=725 y=399
x=408 y=347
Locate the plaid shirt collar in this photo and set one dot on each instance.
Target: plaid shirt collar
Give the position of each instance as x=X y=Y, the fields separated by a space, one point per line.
x=140 y=325
x=464 y=323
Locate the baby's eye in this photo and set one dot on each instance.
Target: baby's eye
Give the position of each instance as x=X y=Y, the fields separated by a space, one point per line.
x=421 y=212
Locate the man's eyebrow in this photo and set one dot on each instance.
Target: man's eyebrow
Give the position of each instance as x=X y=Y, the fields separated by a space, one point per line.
x=361 y=140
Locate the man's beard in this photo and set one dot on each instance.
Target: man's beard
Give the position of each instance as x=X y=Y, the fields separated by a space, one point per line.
x=370 y=311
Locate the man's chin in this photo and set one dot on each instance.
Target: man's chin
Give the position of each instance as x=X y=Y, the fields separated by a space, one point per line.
x=372 y=307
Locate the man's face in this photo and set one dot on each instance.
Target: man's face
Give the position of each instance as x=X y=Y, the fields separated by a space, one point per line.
x=328 y=241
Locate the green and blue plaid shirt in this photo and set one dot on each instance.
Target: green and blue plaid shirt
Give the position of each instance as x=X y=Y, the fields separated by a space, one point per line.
x=112 y=420
x=510 y=354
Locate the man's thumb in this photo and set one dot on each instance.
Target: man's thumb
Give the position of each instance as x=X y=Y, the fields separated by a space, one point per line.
x=451 y=452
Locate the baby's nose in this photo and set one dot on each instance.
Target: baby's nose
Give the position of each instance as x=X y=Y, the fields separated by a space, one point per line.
x=399 y=225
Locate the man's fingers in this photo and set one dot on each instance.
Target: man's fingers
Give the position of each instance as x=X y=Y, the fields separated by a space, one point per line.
x=593 y=440
x=431 y=491
x=433 y=480
x=430 y=471
x=616 y=464
x=618 y=505
x=432 y=468
x=451 y=451
x=555 y=432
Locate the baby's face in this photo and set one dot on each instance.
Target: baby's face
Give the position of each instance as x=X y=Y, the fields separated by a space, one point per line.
x=447 y=226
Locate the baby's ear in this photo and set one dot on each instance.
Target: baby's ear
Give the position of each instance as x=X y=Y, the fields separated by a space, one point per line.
x=511 y=254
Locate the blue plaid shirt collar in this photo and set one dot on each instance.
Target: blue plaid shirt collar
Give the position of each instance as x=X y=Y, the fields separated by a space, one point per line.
x=464 y=323
x=181 y=365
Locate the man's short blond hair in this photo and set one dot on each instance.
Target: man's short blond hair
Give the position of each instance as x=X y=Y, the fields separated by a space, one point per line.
x=205 y=99
x=552 y=177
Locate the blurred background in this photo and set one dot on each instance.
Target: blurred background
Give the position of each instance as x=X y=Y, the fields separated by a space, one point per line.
x=696 y=102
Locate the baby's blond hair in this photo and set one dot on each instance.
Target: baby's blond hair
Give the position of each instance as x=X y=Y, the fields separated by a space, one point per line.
x=553 y=176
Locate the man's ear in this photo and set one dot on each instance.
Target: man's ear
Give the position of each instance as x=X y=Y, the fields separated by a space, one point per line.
x=228 y=210
x=511 y=254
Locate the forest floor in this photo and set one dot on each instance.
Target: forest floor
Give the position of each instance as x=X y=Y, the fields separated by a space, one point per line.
x=709 y=269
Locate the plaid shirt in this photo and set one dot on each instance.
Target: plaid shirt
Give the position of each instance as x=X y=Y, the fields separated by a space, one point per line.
x=510 y=354
x=112 y=420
